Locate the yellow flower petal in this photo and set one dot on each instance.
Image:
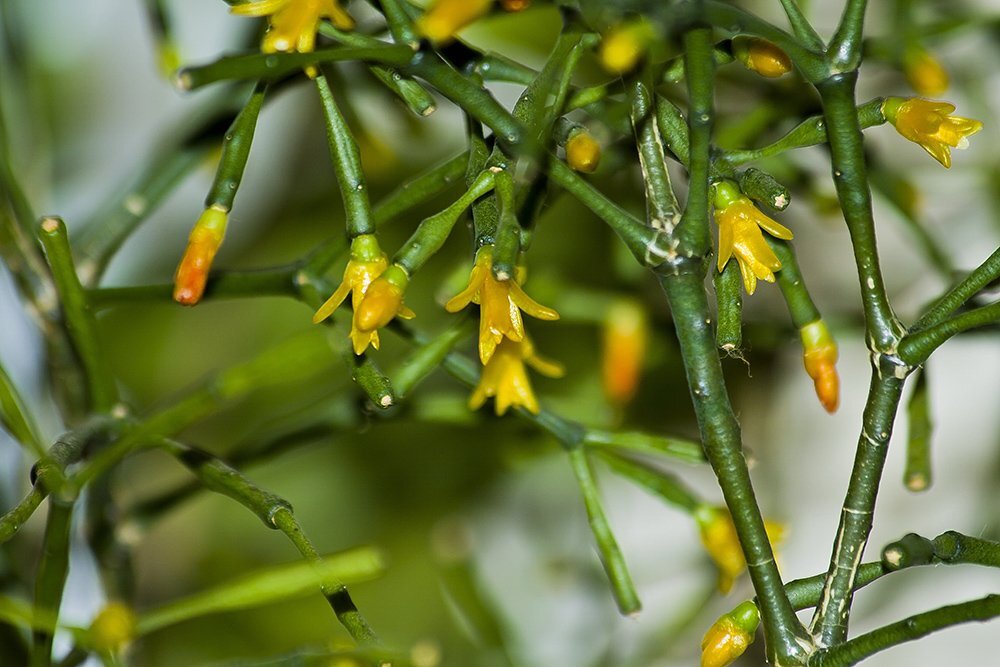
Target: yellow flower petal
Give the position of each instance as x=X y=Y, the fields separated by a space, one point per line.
x=259 y=7
x=331 y=304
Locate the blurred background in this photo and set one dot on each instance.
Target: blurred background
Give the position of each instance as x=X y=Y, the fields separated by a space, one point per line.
x=491 y=558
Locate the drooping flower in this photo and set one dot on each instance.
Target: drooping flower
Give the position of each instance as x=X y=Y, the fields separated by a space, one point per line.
x=719 y=537
x=819 y=354
x=203 y=243
x=583 y=151
x=444 y=18
x=501 y=303
x=730 y=636
x=625 y=336
x=740 y=224
x=293 y=23
x=930 y=124
x=925 y=73
x=367 y=263
x=761 y=56
x=383 y=301
x=506 y=379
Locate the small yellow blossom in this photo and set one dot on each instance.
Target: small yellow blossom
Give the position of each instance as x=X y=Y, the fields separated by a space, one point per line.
x=761 y=56
x=444 y=18
x=293 y=23
x=203 y=243
x=505 y=377
x=625 y=45
x=112 y=629
x=930 y=124
x=819 y=354
x=583 y=151
x=367 y=263
x=383 y=301
x=718 y=536
x=501 y=303
x=925 y=73
x=740 y=224
x=626 y=331
x=730 y=636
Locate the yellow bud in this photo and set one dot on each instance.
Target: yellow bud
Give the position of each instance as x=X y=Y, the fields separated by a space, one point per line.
x=203 y=243
x=583 y=152
x=383 y=300
x=924 y=73
x=112 y=628
x=444 y=18
x=819 y=355
x=719 y=537
x=625 y=335
x=761 y=56
x=730 y=636
x=624 y=45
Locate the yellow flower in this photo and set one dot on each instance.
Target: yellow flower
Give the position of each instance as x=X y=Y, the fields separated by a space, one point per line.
x=367 y=263
x=383 y=301
x=501 y=303
x=739 y=223
x=761 y=56
x=583 y=152
x=112 y=628
x=819 y=354
x=931 y=125
x=925 y=73
x=505 y=377
x=625 y=45
x=718 y=536
x=446 y=17
x=730 y=636
x=203 y=243
x=293 y=23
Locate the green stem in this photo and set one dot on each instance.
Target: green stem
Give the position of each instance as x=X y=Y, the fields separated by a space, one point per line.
x=507 y=244
x=235 y=152
x=729 y=308
x=917 y=475
x=611 y=556
x=50 y=579
x=914 y=348
x=971 y=285
x=16 y=418
x=720 y=434
x=658 y=482
x=433 y=231
x=809 y=132
x=662 y=210
x=221 y=284
x=801 y=26
x=792 y=285
x=79 y=318
x=914 y=627
x=844 y=51
x=829 y=624
x=426 y=358
x=271 y=66
x=346 y=164
x=850 y=176
x=693 y=233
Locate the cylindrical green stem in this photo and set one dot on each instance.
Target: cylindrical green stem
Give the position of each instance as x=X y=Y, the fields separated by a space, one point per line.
x=658 y=482
x=79 y=318
x=346 y=164
x=971 y=285
x=832 y=615
x=793 y=286
x=720 y=434
x=850 y=176
x=917 y=475
x=915 y=347
x=235 y=151
x=50 y=579
x=729 y=307
x=693 y=233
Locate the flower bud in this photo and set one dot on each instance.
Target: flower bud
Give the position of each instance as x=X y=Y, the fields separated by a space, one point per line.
x=204 y=241
x=819 y=354
x=761 y=56
x=719 y=537
x=112 y=628
x=730 y=636
x=383 y=300
x=583 y=152
x=626 y=331
x=924 y=73
x=624 y=45
x=444 y=18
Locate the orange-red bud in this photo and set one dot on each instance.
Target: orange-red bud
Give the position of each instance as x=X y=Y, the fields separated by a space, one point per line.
x=625 y=335
x=204 y=241
x=820 y=358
